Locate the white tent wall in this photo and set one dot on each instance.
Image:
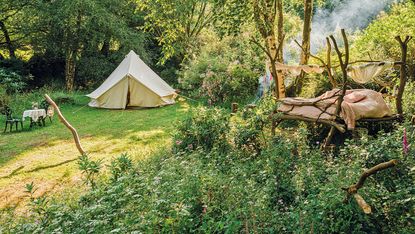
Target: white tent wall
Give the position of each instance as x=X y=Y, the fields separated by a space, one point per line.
x=114 y=98
x=142 y=96
x=135 y=81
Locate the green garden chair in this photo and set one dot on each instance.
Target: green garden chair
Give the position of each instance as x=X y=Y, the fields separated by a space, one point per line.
x=10 y=120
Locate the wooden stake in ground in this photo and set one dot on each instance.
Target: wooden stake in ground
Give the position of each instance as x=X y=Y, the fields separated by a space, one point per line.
x=67 y=124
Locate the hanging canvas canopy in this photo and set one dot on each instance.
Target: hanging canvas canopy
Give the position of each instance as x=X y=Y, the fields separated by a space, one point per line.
x=296 y=70
x=368 y=72
x=132 y=84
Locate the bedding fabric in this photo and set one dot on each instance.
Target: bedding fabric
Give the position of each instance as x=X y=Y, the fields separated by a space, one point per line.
x=357 y=104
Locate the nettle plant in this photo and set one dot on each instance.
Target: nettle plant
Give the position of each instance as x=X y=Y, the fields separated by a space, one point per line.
x=120 y=166
x=90 y=169
x=37 y=205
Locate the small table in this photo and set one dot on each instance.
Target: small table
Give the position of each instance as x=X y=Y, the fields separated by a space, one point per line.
x=36 y=116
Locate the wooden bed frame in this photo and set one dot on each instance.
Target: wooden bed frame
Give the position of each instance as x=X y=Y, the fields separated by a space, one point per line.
x=337 y=124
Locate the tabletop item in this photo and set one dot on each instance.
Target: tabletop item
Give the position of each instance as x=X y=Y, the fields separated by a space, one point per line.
x=35 y=105
x=34 y=114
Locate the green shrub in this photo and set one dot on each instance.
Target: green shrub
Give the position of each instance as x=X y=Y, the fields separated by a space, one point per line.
x=4 y=97
x=224 y=70
x=93 y=70
x=408 y=99
x=249 y=132
x=232 y=84
x=206 y=129
x=12 y=81
x=89 y=169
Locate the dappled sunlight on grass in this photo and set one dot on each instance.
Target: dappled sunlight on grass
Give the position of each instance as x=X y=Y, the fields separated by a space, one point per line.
x=48 y=156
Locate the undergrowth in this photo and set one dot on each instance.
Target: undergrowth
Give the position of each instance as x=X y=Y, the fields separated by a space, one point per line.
x=227 y=174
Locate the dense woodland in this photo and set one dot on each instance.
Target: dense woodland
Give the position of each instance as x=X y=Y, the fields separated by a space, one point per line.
x=221 y=172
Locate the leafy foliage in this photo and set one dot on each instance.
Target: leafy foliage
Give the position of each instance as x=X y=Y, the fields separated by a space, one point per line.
x=11 y=81
x=176 y=24
x=90 y=169
x=120 y=166
x=224 y=173
x=225 y=70
x=38 y=205
x=287 y=187
x=205 y=129
x=378 y=39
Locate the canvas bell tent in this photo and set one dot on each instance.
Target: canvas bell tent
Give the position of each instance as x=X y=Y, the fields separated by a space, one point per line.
x=132 y=84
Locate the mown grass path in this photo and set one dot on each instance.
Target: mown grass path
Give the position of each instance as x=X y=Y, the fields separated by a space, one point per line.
x=47 y=155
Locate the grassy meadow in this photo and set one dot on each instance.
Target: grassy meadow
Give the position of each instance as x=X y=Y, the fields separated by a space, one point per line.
x=47 y=155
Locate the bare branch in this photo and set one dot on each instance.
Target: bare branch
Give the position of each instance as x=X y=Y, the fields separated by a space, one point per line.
x=352 y=190
x=261 y=47
x=334 y=124
x=67 y=124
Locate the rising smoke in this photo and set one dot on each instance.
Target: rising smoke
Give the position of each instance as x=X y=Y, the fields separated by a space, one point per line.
x=348 y=14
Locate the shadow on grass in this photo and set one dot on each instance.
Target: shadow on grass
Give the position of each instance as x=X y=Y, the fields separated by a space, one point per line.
x=50 y=166
x=18 y=171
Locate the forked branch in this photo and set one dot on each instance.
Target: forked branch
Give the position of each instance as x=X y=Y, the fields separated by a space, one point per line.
x=353 y=189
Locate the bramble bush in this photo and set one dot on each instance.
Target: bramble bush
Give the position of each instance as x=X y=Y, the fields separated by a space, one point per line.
x=232 y=84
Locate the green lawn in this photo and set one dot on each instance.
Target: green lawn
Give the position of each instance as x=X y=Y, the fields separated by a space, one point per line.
x=47 y=155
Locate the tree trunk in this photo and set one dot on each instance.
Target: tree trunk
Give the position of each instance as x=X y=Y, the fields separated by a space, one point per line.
x=279 y=56
x=105 y=50
x=304 y=57
x=9 y=44
x=72 y=52
x=278 y=79
x=70 y=67
x=265 y=13
x=280 y=31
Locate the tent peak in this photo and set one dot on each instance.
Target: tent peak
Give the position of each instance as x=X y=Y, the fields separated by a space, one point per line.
x=132 y=53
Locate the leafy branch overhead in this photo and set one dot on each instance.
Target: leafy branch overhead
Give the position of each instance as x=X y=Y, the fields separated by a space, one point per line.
x=176 y=24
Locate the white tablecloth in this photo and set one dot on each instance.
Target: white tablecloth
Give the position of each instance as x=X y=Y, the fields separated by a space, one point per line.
x=34 y=114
